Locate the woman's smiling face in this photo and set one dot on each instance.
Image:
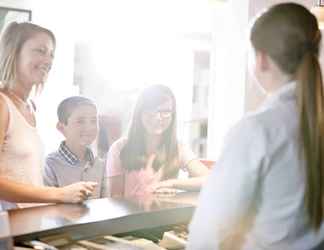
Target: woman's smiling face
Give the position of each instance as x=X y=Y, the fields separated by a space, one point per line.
x=35 y=60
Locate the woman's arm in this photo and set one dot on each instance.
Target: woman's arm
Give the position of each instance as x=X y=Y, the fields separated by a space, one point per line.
x=196 y=168
x=16 y=192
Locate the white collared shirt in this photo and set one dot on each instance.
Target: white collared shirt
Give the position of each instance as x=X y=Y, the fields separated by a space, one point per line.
x=254 y=196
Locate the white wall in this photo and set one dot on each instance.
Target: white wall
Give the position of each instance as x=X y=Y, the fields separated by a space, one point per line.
x=133 y=44
x=228 y=71
x=57 y=18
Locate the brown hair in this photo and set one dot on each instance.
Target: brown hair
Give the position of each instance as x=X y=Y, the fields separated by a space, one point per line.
x=11 y=42
x=103 y=140
x=66 y=107
x=133 y=155
x=289 y=34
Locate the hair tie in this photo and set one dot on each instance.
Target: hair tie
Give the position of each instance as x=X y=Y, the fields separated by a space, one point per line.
x=309 y=48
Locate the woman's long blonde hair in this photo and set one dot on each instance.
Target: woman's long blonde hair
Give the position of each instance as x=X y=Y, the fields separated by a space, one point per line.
x=289 y=34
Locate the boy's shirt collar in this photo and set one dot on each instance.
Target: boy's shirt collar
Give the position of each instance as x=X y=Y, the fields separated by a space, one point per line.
x=71 y=158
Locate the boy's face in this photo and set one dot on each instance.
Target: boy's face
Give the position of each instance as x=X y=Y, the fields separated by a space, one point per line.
x=82 y=126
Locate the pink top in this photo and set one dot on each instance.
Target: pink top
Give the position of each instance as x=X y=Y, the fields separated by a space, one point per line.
x=138 y=182
x=21 y=156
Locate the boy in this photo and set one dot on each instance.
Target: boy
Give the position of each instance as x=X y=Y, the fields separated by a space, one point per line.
x=74 y=160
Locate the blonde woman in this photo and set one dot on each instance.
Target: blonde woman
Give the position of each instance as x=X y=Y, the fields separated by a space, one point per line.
x=26 y=55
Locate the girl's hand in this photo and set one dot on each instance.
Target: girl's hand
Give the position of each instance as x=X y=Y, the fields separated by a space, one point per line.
x=164 y=184
x=165 y=192
x=77 y=192
x=160 y=187
x=164 y=188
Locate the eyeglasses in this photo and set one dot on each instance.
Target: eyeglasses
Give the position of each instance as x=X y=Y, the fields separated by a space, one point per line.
x=164 y=114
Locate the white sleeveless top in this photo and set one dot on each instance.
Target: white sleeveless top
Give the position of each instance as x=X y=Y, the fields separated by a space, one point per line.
x=21 y=156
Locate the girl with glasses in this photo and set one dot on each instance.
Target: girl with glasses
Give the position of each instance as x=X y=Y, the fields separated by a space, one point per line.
x=148 y=160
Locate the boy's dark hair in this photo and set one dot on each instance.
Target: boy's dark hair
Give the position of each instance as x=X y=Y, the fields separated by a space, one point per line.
x=68 y=105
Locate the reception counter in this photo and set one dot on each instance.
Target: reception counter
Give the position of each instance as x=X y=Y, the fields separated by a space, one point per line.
x=100 y=217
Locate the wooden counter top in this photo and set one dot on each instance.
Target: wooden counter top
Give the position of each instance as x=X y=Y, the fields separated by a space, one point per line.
x=101 y=216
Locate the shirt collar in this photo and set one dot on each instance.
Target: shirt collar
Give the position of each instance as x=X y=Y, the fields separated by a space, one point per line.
x=71 y=158
x=286 y=92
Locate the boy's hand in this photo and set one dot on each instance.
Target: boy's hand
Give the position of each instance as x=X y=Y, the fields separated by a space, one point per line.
x=77 y=192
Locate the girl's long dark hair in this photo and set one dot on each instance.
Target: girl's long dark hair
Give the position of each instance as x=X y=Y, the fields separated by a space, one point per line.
x=289 y=34
x=133 y=155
